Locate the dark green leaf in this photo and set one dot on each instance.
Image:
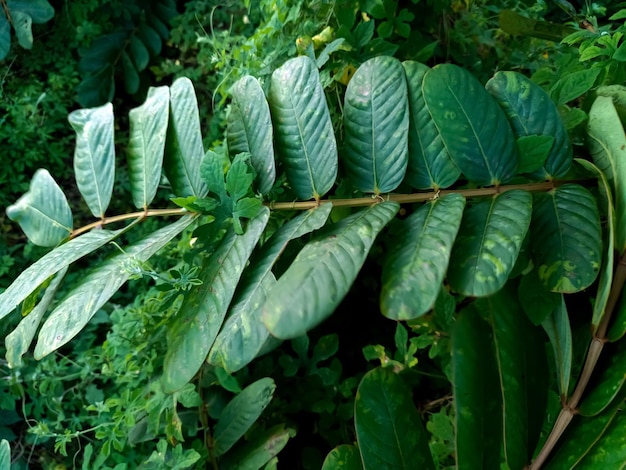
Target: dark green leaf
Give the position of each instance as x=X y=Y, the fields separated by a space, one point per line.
x=94 y=156
x=388 y=426
x=303 y=129
x=566 y=238
x=241 y=413
x=477 y=393
x=376 y=123
x=610 y=450
x=150 y=38
x=537 y=302
x=560 y=333
x=574 y=85
x=474 y=129
x=5 y=37
x=323 y=272
x=429 y=166
x=260 y=449
x=43 y=212
x=488 y=243
x=531 y=112
x=200 y=317
x=244 y=334
x=94 y=290
x=533 y=151
x=139 y=53
x=415 y=268
x=148 y=129
x=184 y=150
x=250 y=130
x=343 y=457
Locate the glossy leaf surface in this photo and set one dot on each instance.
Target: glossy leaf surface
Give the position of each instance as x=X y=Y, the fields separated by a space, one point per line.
x=43 y=212
x=148 y=129
x=566 y=238
x=376 y=123
x=241 y=413
x=415 y=268
x=531 y=112
x=476 y=392
x=94 y=156
x=343 y=457
x=473 y=127
x=200 y=317
x=488 y=243
x=303 y=130
x=430 y=166
x=243 y=335
x=250 y=130
x=388 y=426
x=95 y=289
x=184 y=150
x=322 y=273
x=610 y=450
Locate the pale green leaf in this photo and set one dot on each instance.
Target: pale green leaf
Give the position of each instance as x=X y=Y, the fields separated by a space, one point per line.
x=22 y=23
x=376 y=124
x=303 y=130
x=148 y=130
x=94 y=156
x=40 y=10
x=414 y=269
x=322 y=273
x=558 y=329
x=96 y=288
x=184 y=150
x=5 y=455
x=43 y=212
x=241 y=413
x=259 y=449
x=193 y=331
x=610 y=450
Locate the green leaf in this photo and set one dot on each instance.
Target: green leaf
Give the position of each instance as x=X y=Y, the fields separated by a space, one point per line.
x=258 y=451
x=388 y=426
x=618 y=325
x=322 y=273
x=414 y=269
x=241 y=413
x=429 y=166
x=184 y=150
x=376 y=124
x=131 y=76
x=5 y=455
x=243 y=335
x=610 y=450
x=43 y=212
x=22 y=23
x=606 y=275
x=522 y=101
x=488 y=243
x=343 y=457
x=581 y=437
x=96 y=288
x=473 y=127
x=574 y=85
x=607 y=383
x=94 y=156
x=533 y=151
x=250 y=130
x=558 y=329
x=148 y=129
x=5 y=37
x=537 y=302
x=200 y=317
x=476 y=392
x=51 y=263
x=139 y=53
x=302 y=128
x=19 y=340
x=567 y=239
x=523 y=373
x=40 y=10
x=151 y=39
x=607 y=145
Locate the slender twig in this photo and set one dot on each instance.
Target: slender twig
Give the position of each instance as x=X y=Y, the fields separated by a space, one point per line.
x=593 y=354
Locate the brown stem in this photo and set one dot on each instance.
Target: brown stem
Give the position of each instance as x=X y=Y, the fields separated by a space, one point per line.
x=133 y=215
x=591 y=360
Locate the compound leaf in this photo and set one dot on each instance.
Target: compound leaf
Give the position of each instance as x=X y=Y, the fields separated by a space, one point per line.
x=488 y=243
x=148 y=130
x=250 y=130
x=202 y=312
x=94 y=290
x=303 y=130
x=322 y=273
x=474 y=129
x=43 y=212
x=388 y=426
x=415 y=268
x=94 y=156
x=376 y=123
